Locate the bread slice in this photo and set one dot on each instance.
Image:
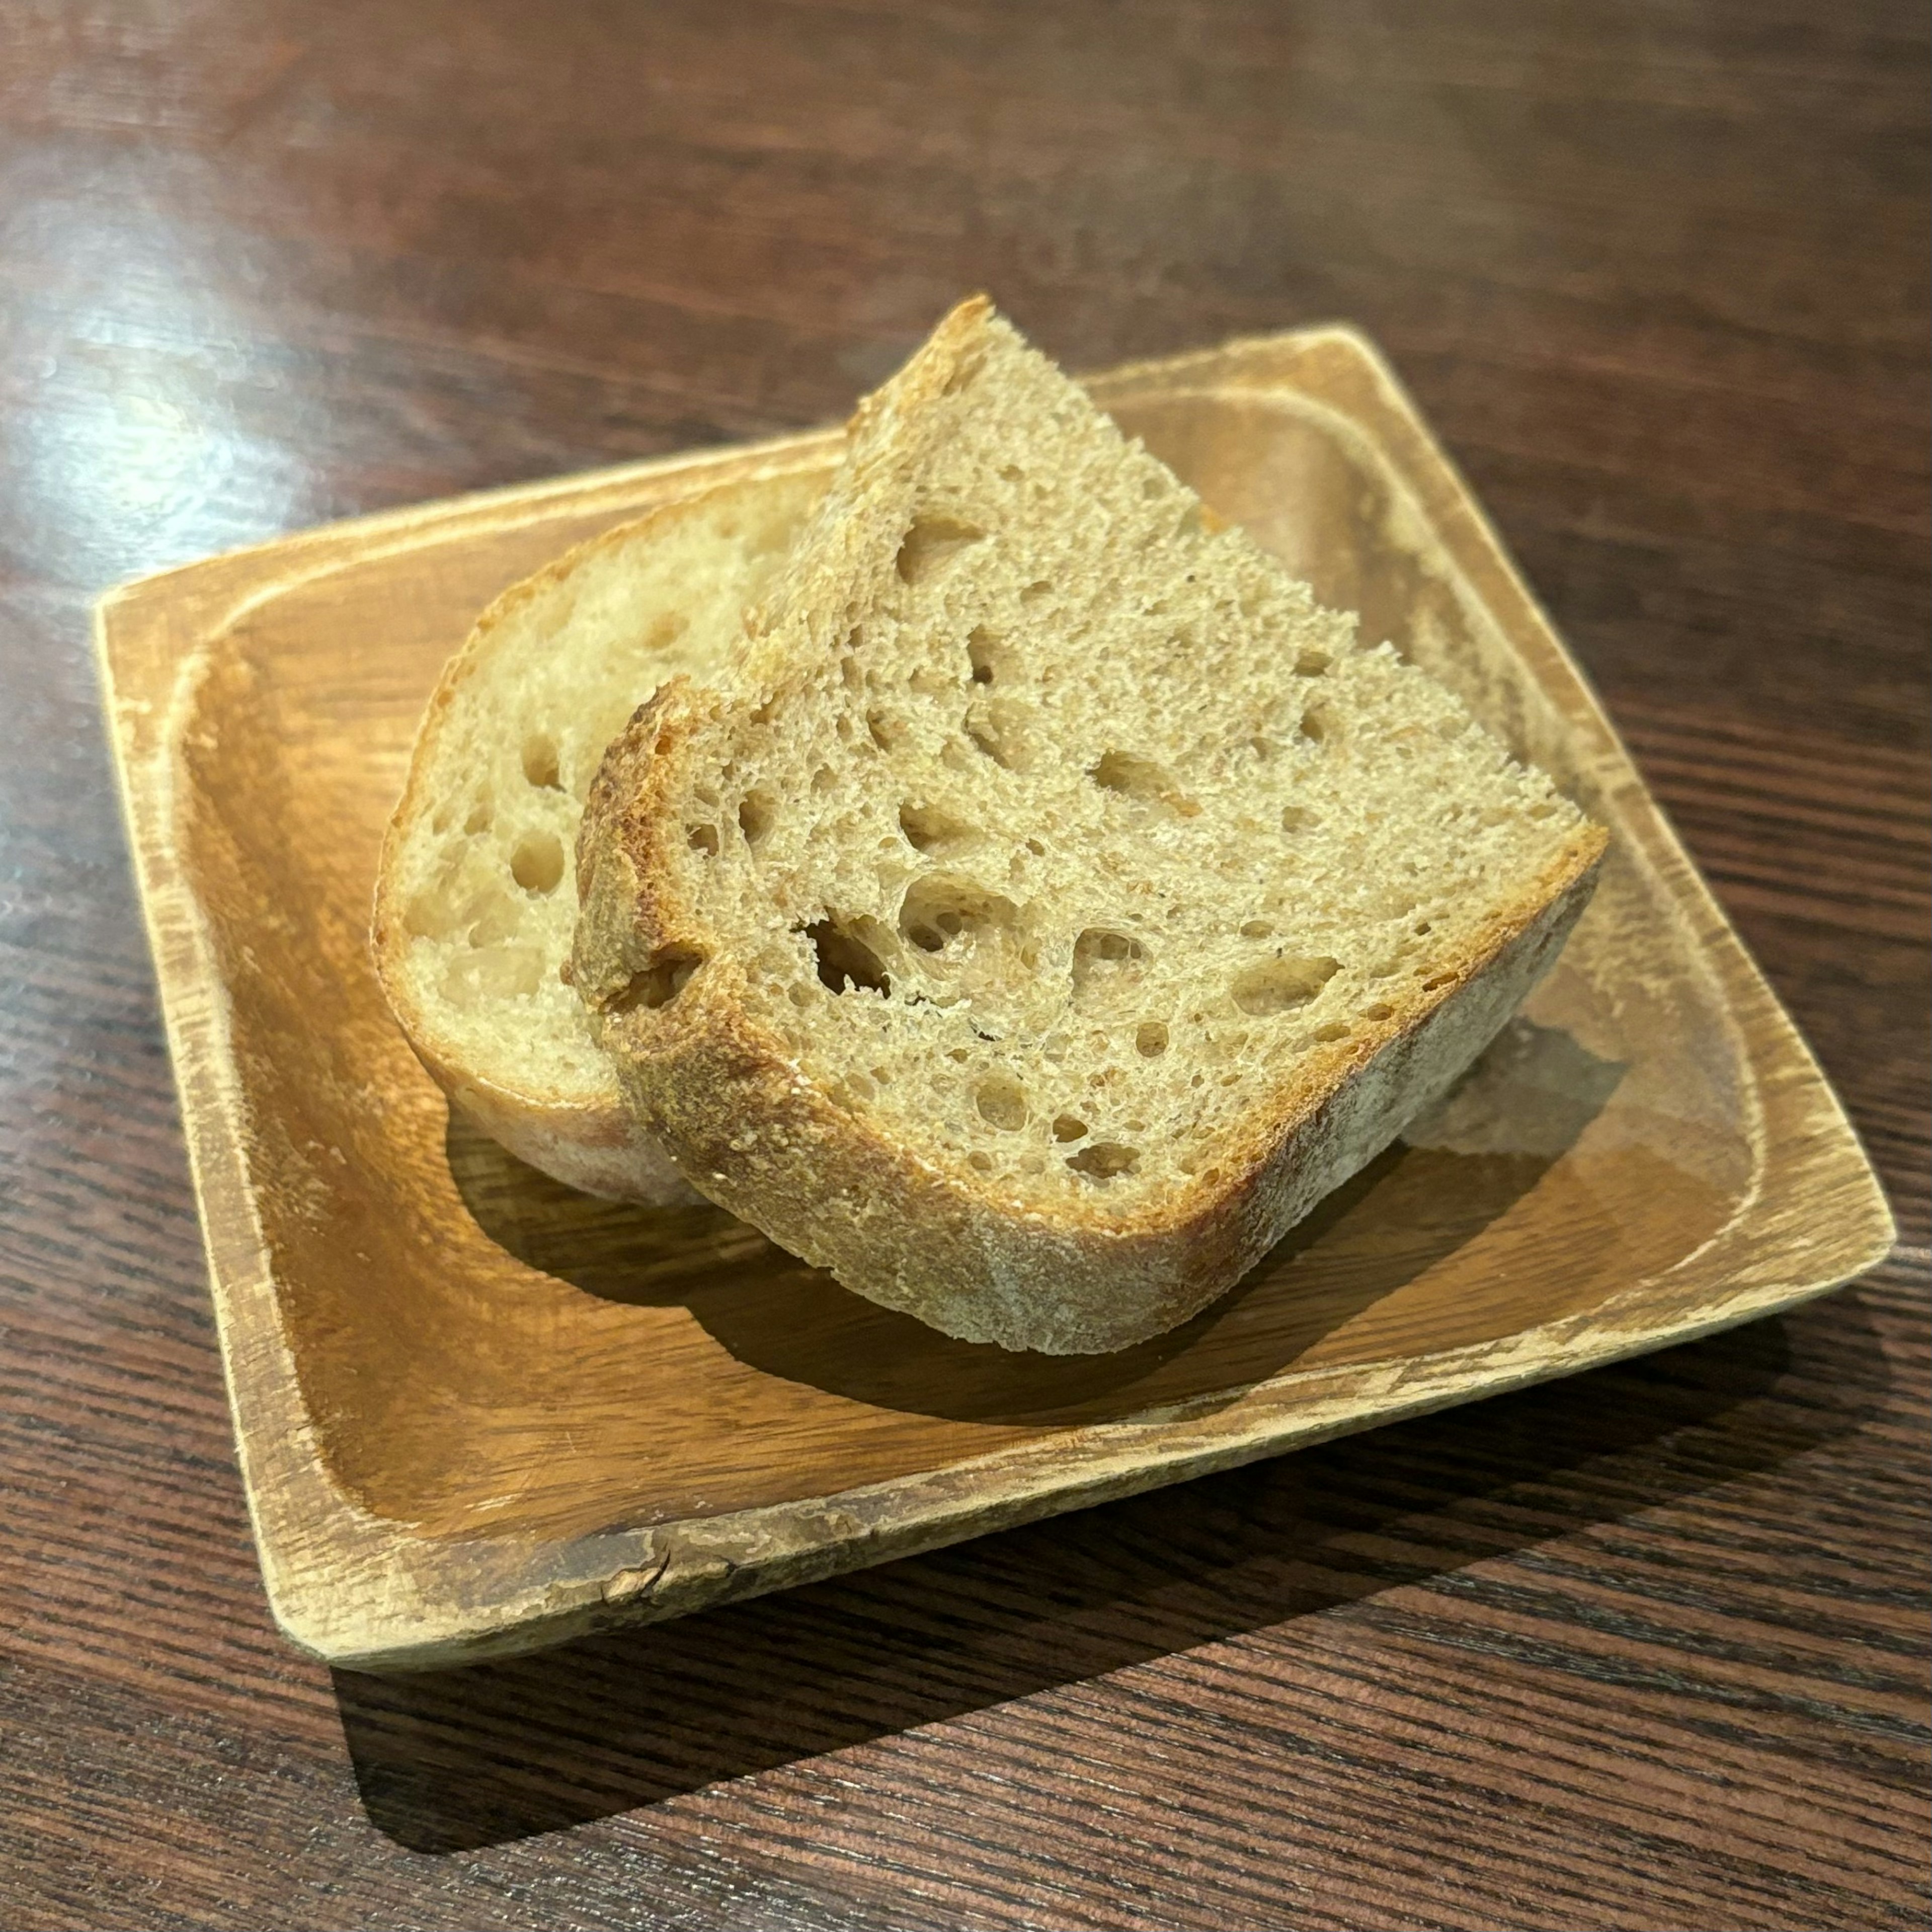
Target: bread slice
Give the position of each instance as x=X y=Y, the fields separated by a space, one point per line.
x=476 y=894
x=1063 y=903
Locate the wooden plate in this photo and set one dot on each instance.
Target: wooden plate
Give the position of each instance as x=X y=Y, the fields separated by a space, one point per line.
x=477 y=1413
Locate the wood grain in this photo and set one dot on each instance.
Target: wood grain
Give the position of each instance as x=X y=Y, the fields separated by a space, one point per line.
x=1637 y=1651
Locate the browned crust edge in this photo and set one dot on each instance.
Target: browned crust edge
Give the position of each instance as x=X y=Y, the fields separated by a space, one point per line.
x=595 y=1145
x=754 y=1133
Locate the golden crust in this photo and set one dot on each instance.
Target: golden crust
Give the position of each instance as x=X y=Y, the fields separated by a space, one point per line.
x=835 y=1184
x=591 y=1141
x=755 y=1134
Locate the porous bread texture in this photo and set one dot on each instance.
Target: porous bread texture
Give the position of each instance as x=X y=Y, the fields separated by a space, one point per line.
x=476 y=892
x=1066 y=902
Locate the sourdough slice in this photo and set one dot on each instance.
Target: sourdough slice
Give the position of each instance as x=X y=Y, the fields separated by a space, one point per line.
x=1064 y=902
x=476 y=894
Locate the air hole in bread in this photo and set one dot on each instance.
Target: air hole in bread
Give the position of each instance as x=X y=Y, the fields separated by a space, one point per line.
x=976 y=729
x=942 y=909
x=702 y=839
x=980 y=650
x=668 y=973
x=537 y=863
x=932 y=542
x=1130 y=776
x=1297 y=818
x=1040 y=587
x=669 y=627
x=481 y=817
x=1257 y=929
x=1439 y=980
x=928 y=829
x=1318 y=726
x=755 y=815
x=980 y=1163
x=1380 y=1010
x=1002 y=1102
x=540 y=762
x=1280 y=986
x=846 y=963
x=1334 y=1030
x=1263 y=748
x=1068 y=1127
x=1104 y=1160
x=889 y=733
x=1141 y=779
x=998 y=728
x=494 y=972
x=1150 y=1039
x=1103 y=958
x=824 y=779
x=493 y=917
x=1312 y=664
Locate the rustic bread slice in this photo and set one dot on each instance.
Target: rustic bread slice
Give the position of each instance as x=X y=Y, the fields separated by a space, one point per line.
x=1064 y=902
x=476 y=894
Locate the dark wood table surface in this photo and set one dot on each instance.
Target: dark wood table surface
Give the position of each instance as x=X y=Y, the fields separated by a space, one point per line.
x=1644 y=1649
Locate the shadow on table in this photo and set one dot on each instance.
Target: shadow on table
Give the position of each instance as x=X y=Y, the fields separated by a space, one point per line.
x=1468 y=1163
x=456 y=1759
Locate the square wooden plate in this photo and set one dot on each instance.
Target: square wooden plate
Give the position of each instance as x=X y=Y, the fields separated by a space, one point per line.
x=477 y=1413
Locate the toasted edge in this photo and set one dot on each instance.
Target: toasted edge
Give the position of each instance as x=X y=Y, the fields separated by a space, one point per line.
x=595 y=1144
x=757 y=1135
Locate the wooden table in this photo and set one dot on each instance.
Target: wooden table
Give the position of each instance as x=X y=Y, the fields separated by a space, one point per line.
x=1645 y=1649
